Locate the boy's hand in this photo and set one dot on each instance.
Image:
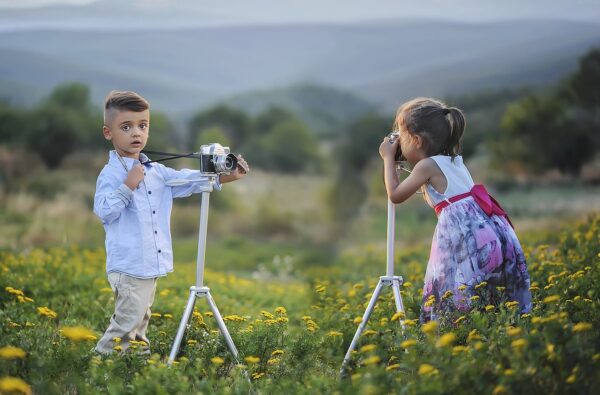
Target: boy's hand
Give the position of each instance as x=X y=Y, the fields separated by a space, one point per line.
x=241 y=170
x=387 y=150
x=135 y=176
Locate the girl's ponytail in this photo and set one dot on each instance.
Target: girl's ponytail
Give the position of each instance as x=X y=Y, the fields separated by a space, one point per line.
x=457 y=121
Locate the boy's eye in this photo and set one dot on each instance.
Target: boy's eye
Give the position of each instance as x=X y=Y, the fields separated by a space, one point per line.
x=143 y=126
x=125 y=128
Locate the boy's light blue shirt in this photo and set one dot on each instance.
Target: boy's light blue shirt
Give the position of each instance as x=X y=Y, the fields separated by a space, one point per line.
x=137 y=223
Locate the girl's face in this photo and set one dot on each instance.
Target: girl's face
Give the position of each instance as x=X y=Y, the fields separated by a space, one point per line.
x=412 y=147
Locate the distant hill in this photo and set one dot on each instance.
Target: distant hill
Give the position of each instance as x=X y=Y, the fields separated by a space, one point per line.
x=320 y=107
x=182 y=70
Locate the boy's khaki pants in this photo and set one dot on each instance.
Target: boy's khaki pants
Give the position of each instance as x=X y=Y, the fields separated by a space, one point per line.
x=133 y=298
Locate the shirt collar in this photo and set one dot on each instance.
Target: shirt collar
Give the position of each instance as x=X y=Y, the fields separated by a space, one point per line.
x=113 y=160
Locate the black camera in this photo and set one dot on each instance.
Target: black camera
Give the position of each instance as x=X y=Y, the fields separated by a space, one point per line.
x=393 y=136
x=216 y=159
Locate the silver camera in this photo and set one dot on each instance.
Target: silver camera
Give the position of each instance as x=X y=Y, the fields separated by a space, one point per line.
x=216 y=159
x=393 y=136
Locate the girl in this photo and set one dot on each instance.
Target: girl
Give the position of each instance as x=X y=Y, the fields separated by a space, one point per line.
x=474 y=248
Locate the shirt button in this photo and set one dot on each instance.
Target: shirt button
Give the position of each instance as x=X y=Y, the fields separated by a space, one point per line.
x=153 y=212
x=159 y=251
x=149 y=192
x=155 y=232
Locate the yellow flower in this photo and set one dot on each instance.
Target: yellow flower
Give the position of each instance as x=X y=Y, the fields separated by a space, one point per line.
x=407 y=284
x=156 y=315
x=167 y=315
x=512 y=304
x=191 y=342
x=489 y=307
x=571 y=379
x=252 y=359
x=118 y=348
x=77 y=333
x=408 y=343
x=458 y=349
x=518 y=344
x=357 y=320
x=257 y=376
x=511 y=331
x=14 y=291
x=398 y=316
x=334 y=334
x=280 y=310
x=462 y=287
x=460 y=319
x=427 y=369
x=582 y=327
x=277 y=352
x=217 y=361
x=117 y=340
x=551 y=299
x=273 y=361
x=447 y=294
x=392 y=367
x=481 y=285
x=446 y=340
x=410 y=322
x=10 y=352
x=266 y=314
x=499 y=390
x=474 y=298
x=429 y=327
x=473 y=335
x=371 y=360
x=10 y=384
x=46 y=312
x=369 y=332
x=368 y=347
x=509 y=372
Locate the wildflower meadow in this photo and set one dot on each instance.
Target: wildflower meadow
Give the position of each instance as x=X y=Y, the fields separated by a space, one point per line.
x=292 y=335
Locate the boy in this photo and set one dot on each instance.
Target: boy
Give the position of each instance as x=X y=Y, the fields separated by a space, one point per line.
x=134 y=204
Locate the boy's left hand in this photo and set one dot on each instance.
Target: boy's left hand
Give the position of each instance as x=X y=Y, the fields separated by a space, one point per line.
x=241 y=170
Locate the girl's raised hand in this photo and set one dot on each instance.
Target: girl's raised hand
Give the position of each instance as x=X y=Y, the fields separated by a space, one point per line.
x=388 y=150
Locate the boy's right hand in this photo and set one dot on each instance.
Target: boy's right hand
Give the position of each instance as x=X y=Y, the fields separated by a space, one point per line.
x=135 y=176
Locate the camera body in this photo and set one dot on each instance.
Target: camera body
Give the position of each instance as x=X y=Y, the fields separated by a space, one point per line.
x=216 y=159
x=393 y=136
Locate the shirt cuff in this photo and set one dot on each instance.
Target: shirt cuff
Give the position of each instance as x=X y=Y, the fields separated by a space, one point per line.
x=124 y=193
x=218 y=184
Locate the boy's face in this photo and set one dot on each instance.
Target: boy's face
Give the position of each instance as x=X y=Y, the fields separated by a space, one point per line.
x=128 y=131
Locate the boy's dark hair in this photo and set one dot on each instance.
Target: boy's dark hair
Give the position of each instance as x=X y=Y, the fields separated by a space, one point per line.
x=125 y=100
x=440 y=126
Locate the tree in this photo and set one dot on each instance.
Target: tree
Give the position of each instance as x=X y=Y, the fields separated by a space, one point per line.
x=556 y=129
x=543 y=133
x=234 y=123
x=60 y=124
x=289 y=147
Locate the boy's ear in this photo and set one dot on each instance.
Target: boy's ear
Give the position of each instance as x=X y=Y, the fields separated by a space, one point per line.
x=106 y=132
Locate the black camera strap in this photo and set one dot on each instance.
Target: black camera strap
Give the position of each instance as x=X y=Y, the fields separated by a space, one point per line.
x=170 y=156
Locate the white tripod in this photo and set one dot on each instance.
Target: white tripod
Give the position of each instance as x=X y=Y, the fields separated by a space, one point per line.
x=388 y=280
x=199 y=290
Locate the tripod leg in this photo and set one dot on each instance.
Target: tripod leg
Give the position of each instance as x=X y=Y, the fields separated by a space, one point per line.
x=184 y=321
x=221 y=324
x=363 y=324
x=398 y=299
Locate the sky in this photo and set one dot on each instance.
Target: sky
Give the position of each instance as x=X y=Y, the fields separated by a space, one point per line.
x=285 y=11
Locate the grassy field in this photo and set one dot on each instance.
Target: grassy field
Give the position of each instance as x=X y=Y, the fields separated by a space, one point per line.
x=292 y=285
x=292 y=331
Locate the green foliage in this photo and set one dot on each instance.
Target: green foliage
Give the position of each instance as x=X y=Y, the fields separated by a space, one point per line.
x=556 y=129
x=288 y=147
x=234 y=123
x=355 y=152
